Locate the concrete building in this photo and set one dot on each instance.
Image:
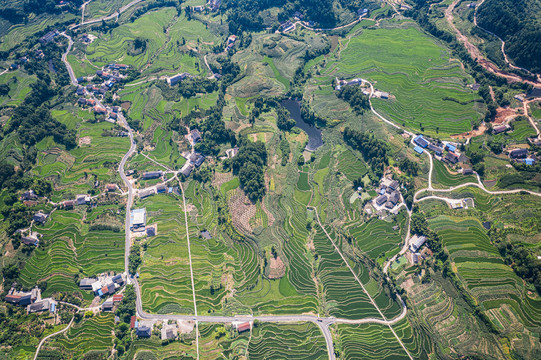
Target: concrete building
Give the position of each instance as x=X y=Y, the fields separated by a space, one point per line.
x=138 y=218
x=416 y=242
x=148 y=175
x=421 y=141
x=86 y=283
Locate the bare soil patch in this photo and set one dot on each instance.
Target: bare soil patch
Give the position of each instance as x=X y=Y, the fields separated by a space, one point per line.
x=85 y=140
x=242 y=210
x=277 y=268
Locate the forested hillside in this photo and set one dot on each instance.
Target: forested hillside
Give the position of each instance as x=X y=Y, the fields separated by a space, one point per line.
x=518 y=23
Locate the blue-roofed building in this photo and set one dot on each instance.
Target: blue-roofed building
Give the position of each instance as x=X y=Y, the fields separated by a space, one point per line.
x=418 y=149
x=529 y=161
x=100 y=293
x=450 y=147
x=53 y=307
x=421 y=141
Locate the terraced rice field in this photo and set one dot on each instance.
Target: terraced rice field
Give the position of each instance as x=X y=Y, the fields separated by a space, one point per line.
x=481 y=269
x=335 y=277
x=352 y=167
x=442 y=178
x=98 y=157
x=115 y=48
x=68 y=247
x=419 y=77
x=94 y=334
x=377 y=238
x=17 y=89
x=373 y=341
x=272 y=341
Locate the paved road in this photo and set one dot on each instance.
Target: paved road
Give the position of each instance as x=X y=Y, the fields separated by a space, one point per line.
x=130 y=191
x=109 y=17
x=65 y=59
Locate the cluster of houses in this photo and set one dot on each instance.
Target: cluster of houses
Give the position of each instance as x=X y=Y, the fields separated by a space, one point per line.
x=286 y=26
x=415 y=254
x=195 y=160
x=170 y=328
x=389 y=197
x=31 y=299
x=522 y=155
x=103 y=285
x=212 y=5
x=366 y=90
x=29 y=198
x=452 y=155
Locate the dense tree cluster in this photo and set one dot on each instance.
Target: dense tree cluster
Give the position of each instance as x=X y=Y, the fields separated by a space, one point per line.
x=374 y=151
x=409 y=167
x=33 y=122
x=245 y=14
x=250 y=164
x=190 y=87
x=516 y=22
x=213 y=130
x=134 y=258
x=353 y=95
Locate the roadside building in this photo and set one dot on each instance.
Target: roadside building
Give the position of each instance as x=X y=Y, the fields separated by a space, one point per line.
x=394 y=198
x=161 y=188
x=418 y=149
x=148 y=175
x=380 y=200
x=68 y=204
x=40 y=217
x=146 y=193
x=394 y=185
x=467 y=171
x=107 y=305
x=436 y=149
x=39 y=306
x=421 y=141
x=118 y=279
x=416 y=242
x=138 y=218
x=244 y=327
x=117 y=298
x=197 y=159
x=452 y=158
x=151 y=231
x=143 y=331
x=186 y=169
x=389 y=205
x=86 y=283
x=450 y=147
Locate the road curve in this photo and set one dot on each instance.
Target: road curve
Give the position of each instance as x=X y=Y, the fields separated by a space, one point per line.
x=50 y=336
x=73 y=79
x=109 y=17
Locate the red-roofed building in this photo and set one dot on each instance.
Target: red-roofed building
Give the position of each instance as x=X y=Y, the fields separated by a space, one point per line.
x=104 y=290
x=117 y=298
x=100 y=109
x=244 y=327
x=14 y=299
x=132 y=322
